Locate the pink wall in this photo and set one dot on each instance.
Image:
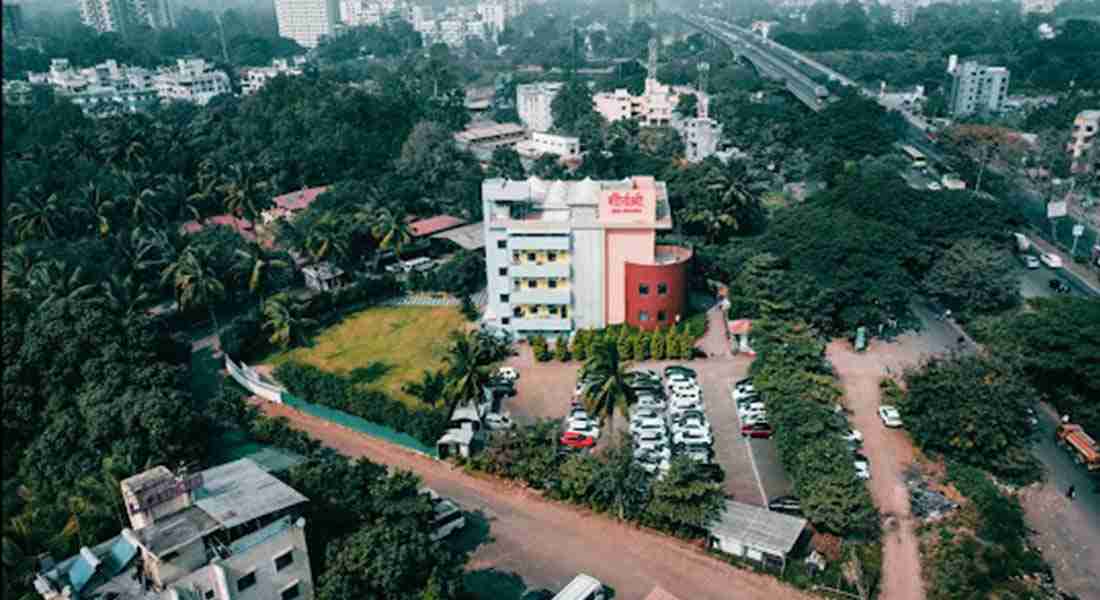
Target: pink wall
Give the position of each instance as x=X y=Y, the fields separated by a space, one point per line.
x=623 y=246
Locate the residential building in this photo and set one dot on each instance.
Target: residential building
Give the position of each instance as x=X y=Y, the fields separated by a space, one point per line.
x=255 y=78
x=641 y=10
x=653 y=108
x=977 y=88
x=565 y=255
x=287 y=205
x=701 y=137
x=324 y=277
x=484 y=137
x=495 y=13
x=357 y=13
x=13 y=19
x=118 y=15
x=534 y=102
x=231 y=532
x=193 y=80
x=1083 y=149
x=567 y=148
x=105 y=89
x=17 y=93
x=307 y=21
x=1044 y=7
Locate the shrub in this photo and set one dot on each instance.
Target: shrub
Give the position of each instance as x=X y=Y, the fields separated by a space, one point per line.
x=540 y=348
x=657 y=345
x=561 y=350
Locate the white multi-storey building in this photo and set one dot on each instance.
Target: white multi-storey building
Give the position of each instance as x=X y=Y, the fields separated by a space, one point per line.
x=193 y=80
x=1044 y=7
x=307 y=21
x=567 y=148
x=357 y=13
x=495 y=14
x=977 y=88
x=115 y=15
x=533 y=103
x=255 y=78
x=1083 y=149
x=231 y=532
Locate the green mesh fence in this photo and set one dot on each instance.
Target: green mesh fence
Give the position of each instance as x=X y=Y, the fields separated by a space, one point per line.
x=358 y=424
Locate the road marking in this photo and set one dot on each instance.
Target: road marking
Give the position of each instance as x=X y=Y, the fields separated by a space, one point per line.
x=748 y=445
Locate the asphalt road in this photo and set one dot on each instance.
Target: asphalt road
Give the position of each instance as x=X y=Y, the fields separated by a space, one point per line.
x=1035 y=283
x=547 y=543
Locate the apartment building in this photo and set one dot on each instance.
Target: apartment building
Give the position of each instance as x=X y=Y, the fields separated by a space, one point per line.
x=117 y=15
x=255 y=78
x=977 y=88
x=533 y=103
x=1082 y=149
x=192 y=80
x=231 y=532
x=1043 y=7
x=307 y=21
x=495 y=14
x=568 y=148
x=701 y=137
x=653 y=108
x=565 y=255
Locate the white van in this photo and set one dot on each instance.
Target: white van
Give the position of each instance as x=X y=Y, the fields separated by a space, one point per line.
x=1051 y=260
x=583 y=587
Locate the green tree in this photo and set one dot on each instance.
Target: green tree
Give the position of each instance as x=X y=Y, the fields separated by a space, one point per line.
x=505 y=163
x=609 y=391
x=685 y=501
x=572 y=107
x=641 y=346
x=657 y=345
x=561 y=350
x=430 y=389
x=467 y=370
x=392 y=232
x=281 y=320
x=974 y=276
x=622 y=487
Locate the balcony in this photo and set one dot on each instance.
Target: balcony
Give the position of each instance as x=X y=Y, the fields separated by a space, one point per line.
x=557 y=268
x=549 y=242
x=541 y=296
x=542 y=324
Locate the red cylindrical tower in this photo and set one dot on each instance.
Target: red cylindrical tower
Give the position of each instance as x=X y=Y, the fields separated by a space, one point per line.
x=656 y=294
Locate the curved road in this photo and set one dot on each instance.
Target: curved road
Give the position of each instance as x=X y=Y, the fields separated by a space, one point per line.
x=547 y=543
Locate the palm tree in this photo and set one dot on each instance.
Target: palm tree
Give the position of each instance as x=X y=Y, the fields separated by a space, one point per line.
x=430 y=389
x=125 y=294
x=280 y=319
x=34 y=217
x=466 y=373
x=53 y=280
x=609 y=390
x=242 y=192
x=194 y=282
x=18 y=271
x=326 y=238
x=257 y=267
x=98 y=207
x=391 y=231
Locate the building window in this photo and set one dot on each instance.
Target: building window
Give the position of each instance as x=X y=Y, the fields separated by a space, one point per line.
x=208 y=594
x=553 y=283
x=505 y=320
x=284 y=560
x=517 y=311
x=291 y=592
x=553 y=310
x=504 y=298
x=643 y=316
x=662 y=289
x=643 y=289
x=502 y=244
x=564 y=312
x=246 y=582
x=531 y=256
x=531 y=283
x=503 y=271
x=662 y=316
x=552 y=256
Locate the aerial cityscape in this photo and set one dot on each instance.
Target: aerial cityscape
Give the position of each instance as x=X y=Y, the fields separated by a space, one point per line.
x=551 y=299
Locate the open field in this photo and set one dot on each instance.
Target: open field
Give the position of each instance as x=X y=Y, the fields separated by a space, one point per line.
x=395 y=343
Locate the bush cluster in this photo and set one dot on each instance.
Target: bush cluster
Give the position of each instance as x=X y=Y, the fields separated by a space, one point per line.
x=684 y=502
x=792 y=375
x=328 y=389
x=676 y=342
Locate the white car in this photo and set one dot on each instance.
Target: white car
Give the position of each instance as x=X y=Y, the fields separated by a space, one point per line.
x=1031 y=262
x=744 y=410
x=639 y=427
x=652 y=463
x=680 y=405
x=741 y=393
x=651 y=438
x=683 y=386
x=583 y=425
x=1051 y=260
x=647 y=373
x=691 y=422
x=658 y=449
x=509 y=373
x=698 y=452
x=755 y=418
x=650 y=403
x=863 y=469
x=497 y=422
x=643 y=414
x=852 y=435
x=674 y=378
x=890 y=416
x=935 y=187
x=692 y=436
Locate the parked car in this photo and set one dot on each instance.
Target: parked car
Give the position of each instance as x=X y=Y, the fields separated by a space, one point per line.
x=786 y=504
x=584 y=426
x=509 y=373
x=697 y=451
x=1051 y=260
x=852 y=435
x=694 y=435
x=650 y=437
x=1060 y=286
x=679 y=369
x=695 y=421
x=935 y=187
x=650 y=402
x=890 y=416
x=498 y=422
x=748 y=408
x=658 y=449
x=863 y=467
x=576 y=410
x=744 y=392
x=687 y=416
x=652 y=463
x=684 y=387
x=757 y=430
x=643 y=414
x=640 y=427
x=574 y=439
x=754 y=418
x=1030 y=261
x=646 y=373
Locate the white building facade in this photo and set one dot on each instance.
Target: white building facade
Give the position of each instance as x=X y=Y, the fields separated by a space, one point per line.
x=1083 y=149
x=977 y=89
x=533 y=103
x=567 y=148
x=115 y=15
x=307 y=21
x=255 y=78
x=193 y=81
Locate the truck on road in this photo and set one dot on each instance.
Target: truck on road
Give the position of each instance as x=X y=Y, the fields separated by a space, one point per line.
x=1080 y=444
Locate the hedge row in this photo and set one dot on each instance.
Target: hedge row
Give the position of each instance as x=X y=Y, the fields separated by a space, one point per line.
x=676 y=342
x=342 y=393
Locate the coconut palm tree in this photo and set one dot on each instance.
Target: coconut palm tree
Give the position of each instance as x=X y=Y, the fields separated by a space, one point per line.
x=244 y=194
x=35 y=218
x=98 y=207
x=280 y=319
x=466 y=373
x=194 y=282
x=257 y=266
x=609 y=390
x=125 y=294
x=391 y=231
x=53 y=280
x=327 y=237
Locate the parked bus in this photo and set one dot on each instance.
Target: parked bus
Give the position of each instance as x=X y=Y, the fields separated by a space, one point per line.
x=916 y=157
x=583 y=587
x=448 y=516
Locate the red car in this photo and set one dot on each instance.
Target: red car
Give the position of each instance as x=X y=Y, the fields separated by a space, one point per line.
x=757 y=430
x=576 y=440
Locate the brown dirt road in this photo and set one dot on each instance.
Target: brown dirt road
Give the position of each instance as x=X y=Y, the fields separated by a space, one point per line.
x=890 y=452
x=547 y=543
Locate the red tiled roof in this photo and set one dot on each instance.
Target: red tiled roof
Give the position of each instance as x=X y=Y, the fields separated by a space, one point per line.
x=431 y=225
x=241 y=226
x=299 y=199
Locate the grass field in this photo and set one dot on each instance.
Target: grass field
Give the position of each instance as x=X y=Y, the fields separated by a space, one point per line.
x=395 y=343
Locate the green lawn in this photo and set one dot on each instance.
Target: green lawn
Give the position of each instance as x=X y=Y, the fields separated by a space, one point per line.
x=396 y=343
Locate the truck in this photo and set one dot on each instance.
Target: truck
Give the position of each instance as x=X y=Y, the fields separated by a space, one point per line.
x=1080 y=444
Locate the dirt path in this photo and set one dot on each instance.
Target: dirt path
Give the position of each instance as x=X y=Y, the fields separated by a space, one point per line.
x=548 y=543
x=890 y=452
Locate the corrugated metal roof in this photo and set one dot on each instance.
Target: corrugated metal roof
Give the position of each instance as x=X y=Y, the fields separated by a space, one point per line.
x=772 y=532
x=240 y=491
